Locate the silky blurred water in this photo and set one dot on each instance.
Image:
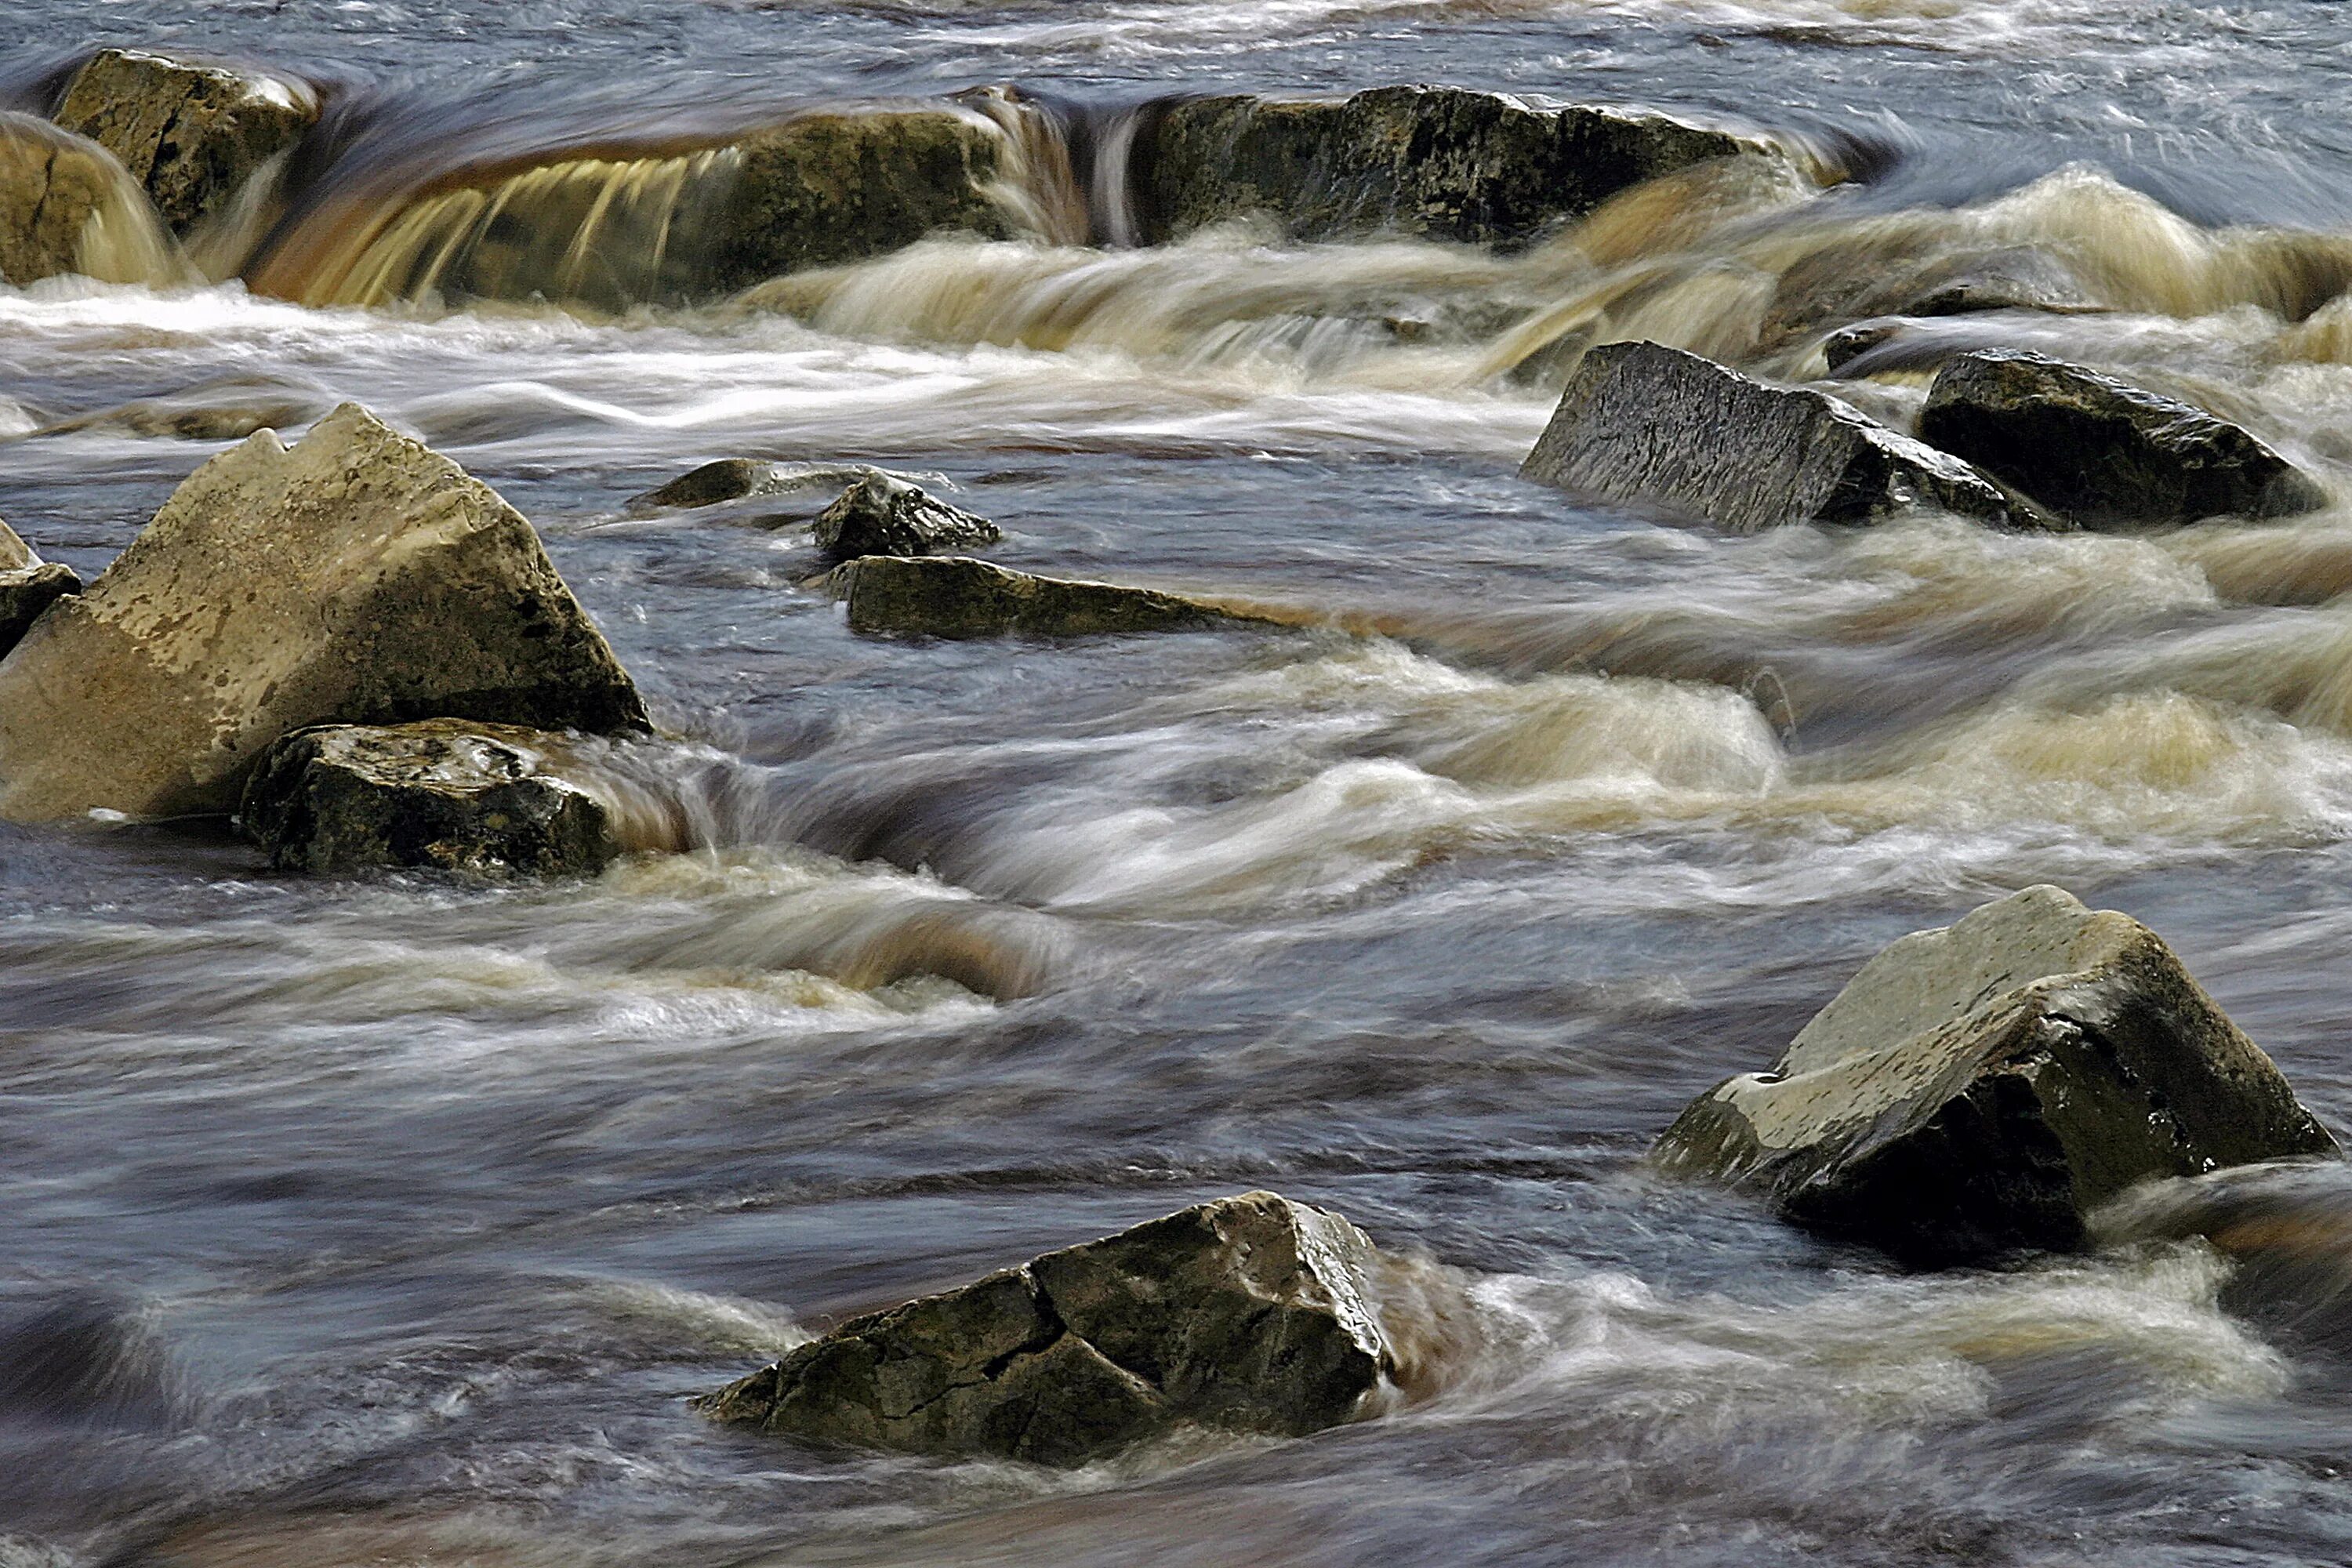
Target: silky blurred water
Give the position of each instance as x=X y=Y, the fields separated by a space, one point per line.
x=393 y=1220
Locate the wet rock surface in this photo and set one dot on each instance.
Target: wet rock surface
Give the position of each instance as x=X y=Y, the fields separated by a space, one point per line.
x=1646 y=426
x=190 y=132
x=51 y=185
x=881 y=515
x=1985 y=1087
x=1250 y=1314
x=28 y=586
x=443 y=794
x=1446 y=163
x=832 y=187
x=355 y=578
x=728 y=478
x=957 y=596
x=2101 y=452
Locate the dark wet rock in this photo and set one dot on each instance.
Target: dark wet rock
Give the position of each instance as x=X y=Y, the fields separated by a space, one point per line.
x=1985 y=1087
x=189 y=133
x=1250 y=1314
x=1646 y=426
x=2003 y=280
x=2102 y=453
x=839 y=186
x=52 y=184
x=28 y=586
x=356 y=578
x=881 y=515
x=443 y=794
x=1447 y=163
x=1863 y=341
x=957 y=596
x=729 y=478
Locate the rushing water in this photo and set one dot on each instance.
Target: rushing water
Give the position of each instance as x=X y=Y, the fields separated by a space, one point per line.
x=392 y=1220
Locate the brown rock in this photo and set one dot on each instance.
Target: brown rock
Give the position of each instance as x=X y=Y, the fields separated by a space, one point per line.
x=189 y=134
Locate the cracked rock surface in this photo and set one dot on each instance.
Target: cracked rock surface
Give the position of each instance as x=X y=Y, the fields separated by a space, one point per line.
x=1984 y=1087
x=1249 y=1314
x=190 y=133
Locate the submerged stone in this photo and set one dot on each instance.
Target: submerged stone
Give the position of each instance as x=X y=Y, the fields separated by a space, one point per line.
x=1250 y=1314
x=2101 y=452
x=1646 y=426
x=443 y=794
x=1447 y=163
x=729 y=478
x=1986 y=1086
x=356 y=578
x=957 y=596
x=881 y=515
x=190 y=133
x=28 y=586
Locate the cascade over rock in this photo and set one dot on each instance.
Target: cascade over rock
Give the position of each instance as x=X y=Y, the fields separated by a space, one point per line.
x=1986 y=1086
x=1646 y=426
x=67 y=205
x=957 y=596
x=1250 y=1314
x=190 y=133
x=1447 y=163
x=355 y=578
x=28 y=586
x=2102 y=453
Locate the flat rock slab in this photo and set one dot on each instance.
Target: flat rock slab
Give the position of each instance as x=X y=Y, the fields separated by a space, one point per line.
x=957 y=596
x=2102 y=453
x=881 y=515
x=1447 y=163
x=190 y=132
x=1646 y=426
x=1250 y=1314
x=357 y=578
x=1985 y=1087
x=442 y=794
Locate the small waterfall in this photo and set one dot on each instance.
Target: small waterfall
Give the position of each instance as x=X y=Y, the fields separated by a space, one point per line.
x=1040 y=187
x=66 y=202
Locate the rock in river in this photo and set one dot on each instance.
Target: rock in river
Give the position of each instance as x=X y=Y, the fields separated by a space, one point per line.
x=442 y=794
x=2101 y=452
x=357 y=578
x=1250 y=1314
x=67 y=205
x=28 y=586
x=190 y=133
x=1984 y=1087
x=1646 y=426
x=957 y=596
x=881 y=515
x=1443 y=161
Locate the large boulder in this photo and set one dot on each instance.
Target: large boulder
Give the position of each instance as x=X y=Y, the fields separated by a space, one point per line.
x=1250 y=1314
x=2102 y=453
x=442 y=794
x=1985 y=1087
x=356 y=578
x=191 y=133
x=67 y=204
x=957 y=596
x=884 y=515
x=1646 y=426
x=28 y=586
x=1447 y=163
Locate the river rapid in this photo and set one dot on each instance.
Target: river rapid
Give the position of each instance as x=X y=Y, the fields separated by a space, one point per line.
x=393 y=1220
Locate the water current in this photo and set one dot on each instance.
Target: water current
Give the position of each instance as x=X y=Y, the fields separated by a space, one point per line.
x=393 y=1220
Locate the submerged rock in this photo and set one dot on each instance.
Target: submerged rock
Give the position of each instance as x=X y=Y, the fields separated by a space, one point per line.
x=840 y=186
x=356 y=578
x=1250 y=1314
x=729 y=478
x=67 y=205
x=1986 y=1086
x=1646 y=426
x=957 y=596
x=2100 y=452
x=1447 y=163
x=443 y=794
x=190 y=133
x=28 y=586
x=881 y=515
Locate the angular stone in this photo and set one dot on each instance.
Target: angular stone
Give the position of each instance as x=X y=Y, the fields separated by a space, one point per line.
x=1250 y=1314
x=840 y=186
x=190 y=133
x=957 y=596
x=1646 y=426
x=1446 y=163
x=880 y=515
x=67 y=205
x=357 y=578
x=2102 y=453
x=28 y=586
x=442 y=794
x=1984 y=1087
